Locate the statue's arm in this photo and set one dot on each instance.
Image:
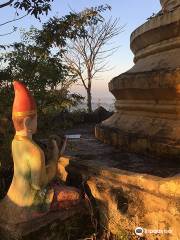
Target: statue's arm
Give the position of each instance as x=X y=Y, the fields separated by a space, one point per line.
x=39 y=178
x=41 y=174
x=52 y=166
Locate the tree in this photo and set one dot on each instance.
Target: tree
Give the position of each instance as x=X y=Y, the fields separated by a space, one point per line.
x=30 y=7
x=44 y=74
x=75 y=27
x=87 y=56
x=57 y=31
x=36 y=62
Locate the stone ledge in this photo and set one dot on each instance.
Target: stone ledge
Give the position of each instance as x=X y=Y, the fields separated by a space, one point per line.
x=138 y=140
x=163 y=45
x=154 y=25
x=162 y=187
x=158 y=79
x=126 y=200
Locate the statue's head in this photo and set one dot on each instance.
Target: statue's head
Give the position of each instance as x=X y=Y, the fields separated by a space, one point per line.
x=24 y=113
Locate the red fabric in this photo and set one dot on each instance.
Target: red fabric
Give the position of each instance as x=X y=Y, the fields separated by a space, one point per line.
x=65 y=197
x=23 y=101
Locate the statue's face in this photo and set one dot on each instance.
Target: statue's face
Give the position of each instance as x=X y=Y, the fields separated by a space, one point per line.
x=34 y=124
x=30 y=124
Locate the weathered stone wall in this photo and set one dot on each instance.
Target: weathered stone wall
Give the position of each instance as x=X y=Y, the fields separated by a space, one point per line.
x=169 y=5
x=128 y=200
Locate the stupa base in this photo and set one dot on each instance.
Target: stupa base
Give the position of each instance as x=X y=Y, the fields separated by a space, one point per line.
x=142 y=135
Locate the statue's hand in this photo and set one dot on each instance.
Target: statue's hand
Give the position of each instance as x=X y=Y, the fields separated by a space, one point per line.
x=61 y=141
x=55 y=150
x=63 y=146
x=52 y=147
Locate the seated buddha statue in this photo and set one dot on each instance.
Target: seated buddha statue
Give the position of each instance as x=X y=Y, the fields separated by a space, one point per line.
x=32 y=192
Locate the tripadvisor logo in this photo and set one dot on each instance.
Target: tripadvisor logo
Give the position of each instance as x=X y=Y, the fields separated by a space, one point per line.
x=139 y=231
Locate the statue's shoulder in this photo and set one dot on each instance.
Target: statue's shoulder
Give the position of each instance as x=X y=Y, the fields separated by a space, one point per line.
x=37 y=148
x=28 y=144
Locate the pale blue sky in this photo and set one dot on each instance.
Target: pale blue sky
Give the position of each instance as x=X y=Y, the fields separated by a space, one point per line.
x=132 y=13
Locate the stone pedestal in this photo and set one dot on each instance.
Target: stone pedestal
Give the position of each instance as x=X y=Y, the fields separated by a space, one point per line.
x=147 y=117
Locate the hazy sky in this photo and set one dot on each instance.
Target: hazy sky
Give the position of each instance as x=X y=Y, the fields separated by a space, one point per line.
x=132 y=13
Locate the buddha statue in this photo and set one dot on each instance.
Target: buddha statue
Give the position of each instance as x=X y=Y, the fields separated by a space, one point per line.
x=32 y=192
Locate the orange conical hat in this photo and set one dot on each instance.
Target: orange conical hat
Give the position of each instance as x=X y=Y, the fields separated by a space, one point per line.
x=24 y=103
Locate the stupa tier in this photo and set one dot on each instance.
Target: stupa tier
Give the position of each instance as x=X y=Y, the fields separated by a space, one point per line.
x=147 y=116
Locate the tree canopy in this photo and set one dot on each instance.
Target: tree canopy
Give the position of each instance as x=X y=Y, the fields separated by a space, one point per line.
x=32 y=7
x=43 y=73
x=57 y=31
x=38 y=59
x=86 y=56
